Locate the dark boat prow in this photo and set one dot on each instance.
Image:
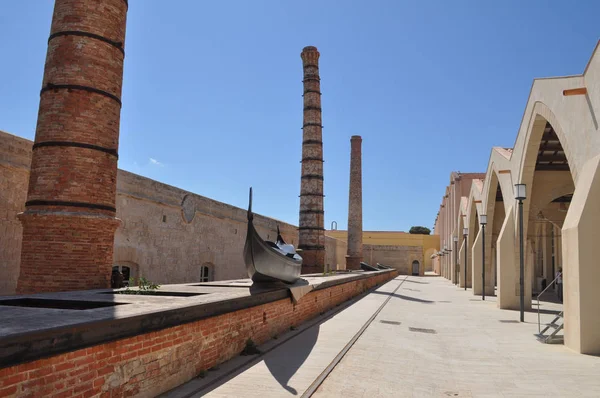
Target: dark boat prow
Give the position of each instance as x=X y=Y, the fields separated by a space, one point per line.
x=366 y=267
x=269 y=261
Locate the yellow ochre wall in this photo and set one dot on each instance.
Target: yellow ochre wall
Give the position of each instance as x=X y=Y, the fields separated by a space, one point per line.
x=429 y=244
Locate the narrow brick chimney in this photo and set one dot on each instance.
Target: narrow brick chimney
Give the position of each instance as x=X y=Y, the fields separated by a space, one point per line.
x=311 y=225
x=354 y=254
x=69 y=220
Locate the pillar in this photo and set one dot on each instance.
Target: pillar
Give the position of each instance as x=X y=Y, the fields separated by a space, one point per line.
x=311 y=224
x=507 y=250
x=69 y=219
x=354 y=254
x=476 y=264
x=461 y=261
x=581 y=274
x=453 y=262
x=547 y=256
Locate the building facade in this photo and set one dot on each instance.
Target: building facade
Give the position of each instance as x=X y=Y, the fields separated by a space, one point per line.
x=556 y=156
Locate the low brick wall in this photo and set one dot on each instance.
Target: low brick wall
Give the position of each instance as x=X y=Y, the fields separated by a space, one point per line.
x=152 y=363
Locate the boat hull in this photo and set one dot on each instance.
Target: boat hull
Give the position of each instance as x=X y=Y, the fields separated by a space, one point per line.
x=264 y=263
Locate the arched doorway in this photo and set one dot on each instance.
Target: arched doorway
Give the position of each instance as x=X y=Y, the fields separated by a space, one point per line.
x=550 y=185
x=415 y=268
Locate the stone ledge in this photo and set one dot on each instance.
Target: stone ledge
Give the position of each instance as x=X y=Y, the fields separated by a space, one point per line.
x=28 y=334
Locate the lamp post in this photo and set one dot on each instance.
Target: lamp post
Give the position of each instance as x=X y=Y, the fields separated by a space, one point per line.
x=483 y=222
x=465 y=233
x=521 y=195
x=455 y=238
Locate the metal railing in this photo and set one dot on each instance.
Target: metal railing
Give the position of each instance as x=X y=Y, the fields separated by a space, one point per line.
x=538 y=305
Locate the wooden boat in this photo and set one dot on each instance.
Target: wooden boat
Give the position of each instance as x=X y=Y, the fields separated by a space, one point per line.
x=367 y=267
x=269 y=261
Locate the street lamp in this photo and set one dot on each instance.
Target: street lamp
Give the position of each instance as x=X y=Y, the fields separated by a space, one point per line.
x=465 y=234
x=483 y=222
x=455 y=238
x=521 y=195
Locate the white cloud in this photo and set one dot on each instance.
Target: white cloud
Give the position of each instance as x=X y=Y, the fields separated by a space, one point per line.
x=156 y=162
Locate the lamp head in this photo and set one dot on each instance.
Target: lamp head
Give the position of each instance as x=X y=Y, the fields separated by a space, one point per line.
x=520 y=191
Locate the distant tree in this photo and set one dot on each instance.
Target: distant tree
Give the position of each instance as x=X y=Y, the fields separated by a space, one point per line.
x=420 y=230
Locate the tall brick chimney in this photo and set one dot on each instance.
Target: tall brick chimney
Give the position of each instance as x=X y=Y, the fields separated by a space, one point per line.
x=69 y=220
x=354 y=254
x=311 y=225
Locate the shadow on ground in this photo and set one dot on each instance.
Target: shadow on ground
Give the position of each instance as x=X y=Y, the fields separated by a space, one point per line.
x=421 y=283
x=283 y=365
x=408 y=298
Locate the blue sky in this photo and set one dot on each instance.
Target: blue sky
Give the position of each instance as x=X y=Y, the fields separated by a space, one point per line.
x=212 y=92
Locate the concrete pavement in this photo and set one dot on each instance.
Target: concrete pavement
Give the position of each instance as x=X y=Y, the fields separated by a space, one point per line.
x=429 y=339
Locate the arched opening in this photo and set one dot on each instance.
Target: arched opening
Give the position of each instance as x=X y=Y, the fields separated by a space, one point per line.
x=550 y=187
x=415 y=268
x=475 y=255
x=494 y=226
x=496 y=214
x=207 y=272
x=460 y=255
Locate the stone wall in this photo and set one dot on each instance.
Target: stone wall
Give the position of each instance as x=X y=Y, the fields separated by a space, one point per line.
x=335 y=253
x=15 y=158
x=166 y=234
x=399 y=257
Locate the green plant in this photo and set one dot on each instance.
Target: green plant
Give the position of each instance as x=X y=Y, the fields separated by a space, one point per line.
x=145 y=287
x=250 y=348
x=202 y=374
x=293 y=327
x=419 y=230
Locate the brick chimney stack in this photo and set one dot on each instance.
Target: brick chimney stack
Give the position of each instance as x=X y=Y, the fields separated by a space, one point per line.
x=354 y=254
x=70 y=218
x=311 y=225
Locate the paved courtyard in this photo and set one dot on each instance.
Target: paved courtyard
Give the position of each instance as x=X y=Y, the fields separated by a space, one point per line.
x=413 y=337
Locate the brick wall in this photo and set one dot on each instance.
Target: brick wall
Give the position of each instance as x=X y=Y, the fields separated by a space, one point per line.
x=152 y=363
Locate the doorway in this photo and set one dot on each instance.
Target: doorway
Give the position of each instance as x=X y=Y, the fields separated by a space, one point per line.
x=415 y=268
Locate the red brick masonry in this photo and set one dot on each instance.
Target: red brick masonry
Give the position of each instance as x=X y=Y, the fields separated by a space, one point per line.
x=152 y=363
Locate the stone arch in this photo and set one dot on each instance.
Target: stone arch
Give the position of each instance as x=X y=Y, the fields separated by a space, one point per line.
x=541 y=114
x=415 y=268
x=496 y=215
x=460 y=268
x=474 y=211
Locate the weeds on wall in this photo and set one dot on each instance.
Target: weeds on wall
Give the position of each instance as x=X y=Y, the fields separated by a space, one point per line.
x=145 y=287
